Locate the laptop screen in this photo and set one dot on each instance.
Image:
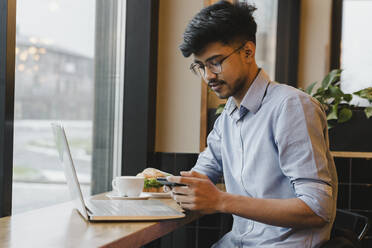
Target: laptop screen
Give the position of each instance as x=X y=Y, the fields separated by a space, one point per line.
x=69 y=169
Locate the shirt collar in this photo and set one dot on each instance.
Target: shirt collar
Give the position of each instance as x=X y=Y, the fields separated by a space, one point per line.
x=254 y=96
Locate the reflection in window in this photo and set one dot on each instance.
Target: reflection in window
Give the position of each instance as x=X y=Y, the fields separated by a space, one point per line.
x=356 y=49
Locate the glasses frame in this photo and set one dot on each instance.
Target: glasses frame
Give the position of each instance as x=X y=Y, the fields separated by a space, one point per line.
x=216 y=68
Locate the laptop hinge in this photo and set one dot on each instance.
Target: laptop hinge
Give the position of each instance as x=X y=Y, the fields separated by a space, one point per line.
x=90 y=213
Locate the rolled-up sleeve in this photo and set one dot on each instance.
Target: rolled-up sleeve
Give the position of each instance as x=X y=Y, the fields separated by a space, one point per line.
x=301 y=137
x=209 y=161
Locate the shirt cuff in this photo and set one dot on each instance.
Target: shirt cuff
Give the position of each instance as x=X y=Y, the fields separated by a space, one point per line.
x=318 y=196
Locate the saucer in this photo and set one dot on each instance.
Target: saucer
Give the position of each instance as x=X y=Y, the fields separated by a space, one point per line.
x=158 y=195
x=114 y=195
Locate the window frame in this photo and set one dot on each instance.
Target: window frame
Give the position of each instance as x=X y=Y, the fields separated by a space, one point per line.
x=287 y=42
x=336 y=34
x=140 y=77
x=107 y=94
x=7 y=70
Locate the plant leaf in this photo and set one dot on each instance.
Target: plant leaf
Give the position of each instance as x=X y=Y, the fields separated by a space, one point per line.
x=365 y=93
x=309 y=89
x=320 y=90
x=333 y=114
x=335 y=91
x=344 y=115
x=348 y=97
x=368 y=112
x=331 y=78
x=220 y=108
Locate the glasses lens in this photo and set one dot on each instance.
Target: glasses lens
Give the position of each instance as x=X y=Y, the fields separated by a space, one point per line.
x=193 y=70
x=201 y=71
x=197 y=69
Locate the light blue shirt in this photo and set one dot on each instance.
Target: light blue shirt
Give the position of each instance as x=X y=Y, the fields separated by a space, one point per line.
x=275 y=146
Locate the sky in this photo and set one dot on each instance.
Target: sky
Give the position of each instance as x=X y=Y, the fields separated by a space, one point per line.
x=68 y=24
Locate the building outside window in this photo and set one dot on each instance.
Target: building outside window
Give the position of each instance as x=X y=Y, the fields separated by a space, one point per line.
x=56 y=80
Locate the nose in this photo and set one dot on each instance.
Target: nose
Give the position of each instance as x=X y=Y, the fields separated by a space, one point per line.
x=209 y=75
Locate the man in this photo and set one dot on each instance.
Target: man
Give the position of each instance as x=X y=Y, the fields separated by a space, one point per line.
x=270 y=143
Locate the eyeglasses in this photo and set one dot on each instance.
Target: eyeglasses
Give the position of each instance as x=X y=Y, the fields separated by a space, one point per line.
x=215 y=67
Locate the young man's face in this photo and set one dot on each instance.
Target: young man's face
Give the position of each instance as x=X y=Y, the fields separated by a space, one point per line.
x=234 y=76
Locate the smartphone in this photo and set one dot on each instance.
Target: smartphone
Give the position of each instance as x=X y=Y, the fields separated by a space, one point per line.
x=164 y=181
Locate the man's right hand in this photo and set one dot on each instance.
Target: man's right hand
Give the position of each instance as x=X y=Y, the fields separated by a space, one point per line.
x=200 y=194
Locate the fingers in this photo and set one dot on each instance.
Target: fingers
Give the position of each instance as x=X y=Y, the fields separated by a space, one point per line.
x=166 y=188
x=187 y=206
x=182 y=190
x=183 y=195
x=183 y=198
x=185 y=201
x=186 y=173
x=184 y=180
x=188 y=178
x=193 y=174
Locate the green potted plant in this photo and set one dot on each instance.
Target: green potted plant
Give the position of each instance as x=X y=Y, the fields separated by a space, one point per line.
x=350 y=126
x=335 y=102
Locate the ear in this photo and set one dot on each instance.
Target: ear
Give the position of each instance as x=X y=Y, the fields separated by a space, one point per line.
x=249 y=51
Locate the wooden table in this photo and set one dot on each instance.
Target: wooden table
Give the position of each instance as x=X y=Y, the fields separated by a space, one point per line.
x=62 y=226
x=366 y=155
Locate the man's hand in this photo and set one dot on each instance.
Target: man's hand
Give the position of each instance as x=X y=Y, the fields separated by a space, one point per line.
x=200 y=194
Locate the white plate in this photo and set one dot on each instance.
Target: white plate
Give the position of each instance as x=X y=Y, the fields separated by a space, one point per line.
x=159 y=195
x=114 y=195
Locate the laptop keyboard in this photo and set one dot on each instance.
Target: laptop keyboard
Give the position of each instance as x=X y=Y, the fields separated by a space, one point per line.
x=102 y=207
x=130 y=208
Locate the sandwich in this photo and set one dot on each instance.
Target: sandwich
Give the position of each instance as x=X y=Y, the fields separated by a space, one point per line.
x=150 y=175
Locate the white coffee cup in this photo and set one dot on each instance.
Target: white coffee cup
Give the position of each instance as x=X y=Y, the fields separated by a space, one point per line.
x=130 y=186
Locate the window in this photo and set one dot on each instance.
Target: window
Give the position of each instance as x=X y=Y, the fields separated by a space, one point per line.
x=110 y=107
x=266 y=18
x=356 y=50
x=68 y=69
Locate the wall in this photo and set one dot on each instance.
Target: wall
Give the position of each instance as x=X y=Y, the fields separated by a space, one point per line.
x=179 y=91
x=315 y=29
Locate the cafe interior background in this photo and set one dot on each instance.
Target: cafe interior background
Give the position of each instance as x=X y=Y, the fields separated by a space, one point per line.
x=126 y=109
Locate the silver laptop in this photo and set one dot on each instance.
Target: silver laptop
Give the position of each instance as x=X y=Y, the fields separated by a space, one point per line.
x=107 y=210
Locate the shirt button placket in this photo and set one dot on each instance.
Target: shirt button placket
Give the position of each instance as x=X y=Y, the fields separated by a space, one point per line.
x=241 y=150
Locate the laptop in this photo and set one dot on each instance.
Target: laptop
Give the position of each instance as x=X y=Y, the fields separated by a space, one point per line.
x=110 y=209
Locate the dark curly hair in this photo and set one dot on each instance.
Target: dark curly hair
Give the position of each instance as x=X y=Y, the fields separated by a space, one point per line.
x=221 y=22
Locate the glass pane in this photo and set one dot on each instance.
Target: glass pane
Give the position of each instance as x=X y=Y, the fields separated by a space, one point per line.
x=54 y=80
x=356 y=49
x=266 y=18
